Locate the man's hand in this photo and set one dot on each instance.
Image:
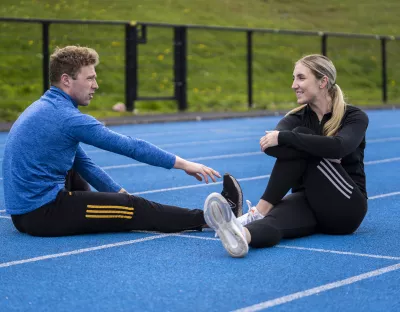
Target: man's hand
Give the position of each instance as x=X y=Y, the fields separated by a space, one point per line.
x=196 y=170
x=270 y=139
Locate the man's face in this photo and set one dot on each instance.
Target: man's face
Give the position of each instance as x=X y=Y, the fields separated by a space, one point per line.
x=82 y=88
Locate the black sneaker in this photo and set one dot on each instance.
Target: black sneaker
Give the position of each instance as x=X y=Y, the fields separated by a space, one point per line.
x=232 y=192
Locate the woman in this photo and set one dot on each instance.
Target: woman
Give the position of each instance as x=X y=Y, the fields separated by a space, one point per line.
x=319 y=151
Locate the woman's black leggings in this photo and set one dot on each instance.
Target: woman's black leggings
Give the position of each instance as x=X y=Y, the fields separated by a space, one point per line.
x=329 y=201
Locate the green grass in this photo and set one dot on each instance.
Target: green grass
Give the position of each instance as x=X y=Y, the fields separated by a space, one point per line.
x=216 y=59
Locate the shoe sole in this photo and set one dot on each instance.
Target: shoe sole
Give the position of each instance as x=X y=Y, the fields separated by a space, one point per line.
x=219 y=216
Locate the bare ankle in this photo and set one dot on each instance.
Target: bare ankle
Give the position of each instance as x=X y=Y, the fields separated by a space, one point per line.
x=247 y=235
x=264 y=207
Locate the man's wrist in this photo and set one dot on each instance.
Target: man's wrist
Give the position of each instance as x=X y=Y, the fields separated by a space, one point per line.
x=179 y=163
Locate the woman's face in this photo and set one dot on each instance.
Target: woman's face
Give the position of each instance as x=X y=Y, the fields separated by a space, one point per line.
x=305 y=84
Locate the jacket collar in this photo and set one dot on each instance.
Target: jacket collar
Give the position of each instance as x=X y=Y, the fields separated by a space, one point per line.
x=58 y=92
x=309 y=111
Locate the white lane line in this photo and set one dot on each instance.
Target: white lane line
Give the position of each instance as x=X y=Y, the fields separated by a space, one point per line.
x=381 y=161
x=192 y=143
x=384 y=195
x=248 y=138
x=176 y=188
x=241 y=130
x=306 y=249
x=217 y=130
x=240 y=180
x=197 y=131
x=383 y=140
x=391 y=126
x=197 y=185
x=191 y=159
x=80 y=251
x=373 y=162
x=339 y=252
x=197 y=237
x=226 y=156
x=318 y=290
x=5 y=217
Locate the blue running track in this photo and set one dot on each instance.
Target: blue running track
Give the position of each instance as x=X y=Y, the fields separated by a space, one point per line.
x=191 y=271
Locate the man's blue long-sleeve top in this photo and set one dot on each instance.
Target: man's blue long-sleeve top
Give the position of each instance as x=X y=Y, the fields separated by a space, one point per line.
x=43 y=144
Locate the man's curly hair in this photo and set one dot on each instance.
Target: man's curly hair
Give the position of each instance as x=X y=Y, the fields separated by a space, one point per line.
x=69 y=60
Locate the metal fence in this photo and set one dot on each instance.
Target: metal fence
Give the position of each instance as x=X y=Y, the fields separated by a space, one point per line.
x=249 y=49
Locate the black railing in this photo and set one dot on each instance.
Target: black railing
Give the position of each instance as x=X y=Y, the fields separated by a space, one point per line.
x=136 y=34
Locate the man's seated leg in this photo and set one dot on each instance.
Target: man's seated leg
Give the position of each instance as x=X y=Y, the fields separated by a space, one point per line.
x=80 y=212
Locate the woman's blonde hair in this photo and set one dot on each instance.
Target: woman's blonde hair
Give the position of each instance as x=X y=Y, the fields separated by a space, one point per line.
x=321 y=66
x=69 y=60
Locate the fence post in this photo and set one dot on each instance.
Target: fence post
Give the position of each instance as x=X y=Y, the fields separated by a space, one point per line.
x=131 y=65
x=384 y=70
x=250 y=69
x=46 y=56
x=324 y=44
x=180 y=67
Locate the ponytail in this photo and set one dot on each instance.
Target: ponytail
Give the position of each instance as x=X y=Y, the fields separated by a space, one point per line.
x=338 y=109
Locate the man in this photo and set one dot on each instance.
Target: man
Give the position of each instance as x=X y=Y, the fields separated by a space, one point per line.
x=46 y=171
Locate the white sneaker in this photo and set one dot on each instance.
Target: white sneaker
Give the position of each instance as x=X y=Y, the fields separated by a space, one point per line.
x=252 y=215
x=219 y=216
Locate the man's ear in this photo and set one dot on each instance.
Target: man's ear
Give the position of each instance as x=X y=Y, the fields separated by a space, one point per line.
x=65 y=80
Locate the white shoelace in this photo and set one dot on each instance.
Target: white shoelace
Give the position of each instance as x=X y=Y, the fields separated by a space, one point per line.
x=252 y=215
